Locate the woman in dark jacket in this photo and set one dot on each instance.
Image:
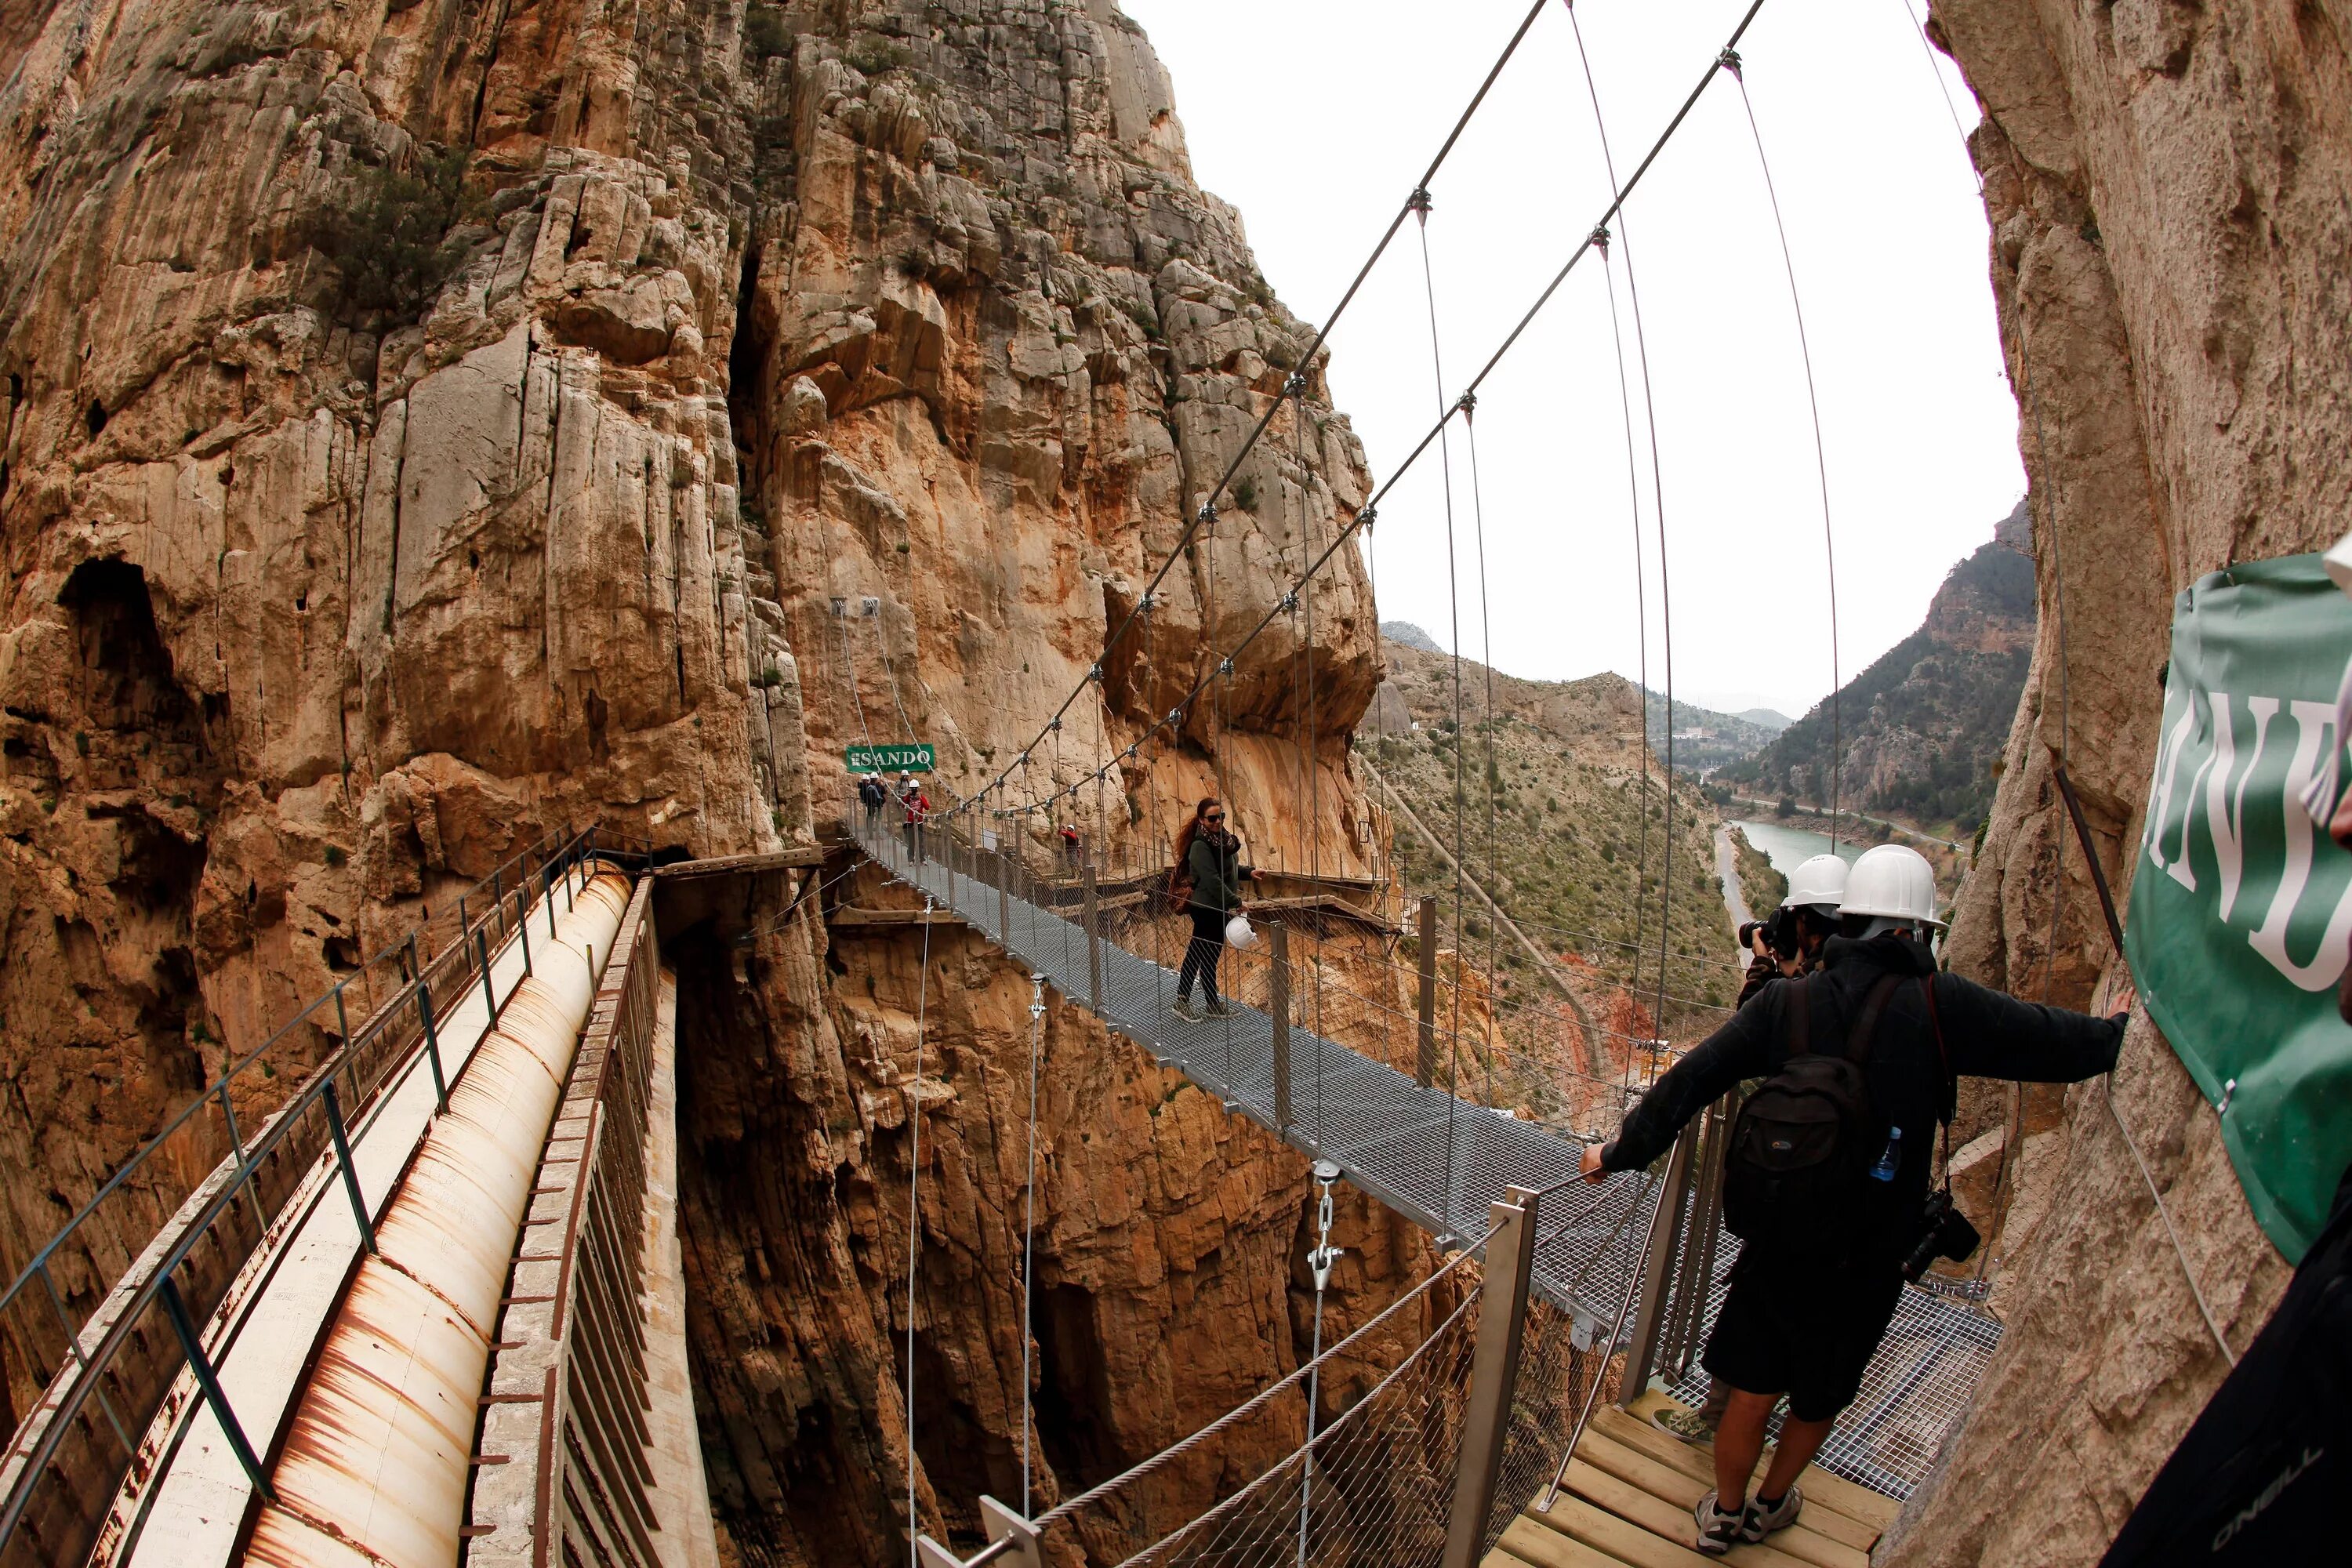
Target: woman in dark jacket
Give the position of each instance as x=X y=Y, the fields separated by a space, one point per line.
x=1212 y=861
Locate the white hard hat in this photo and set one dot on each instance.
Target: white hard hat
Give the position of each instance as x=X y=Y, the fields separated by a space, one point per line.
x=1893 y=880
x=1819 y=883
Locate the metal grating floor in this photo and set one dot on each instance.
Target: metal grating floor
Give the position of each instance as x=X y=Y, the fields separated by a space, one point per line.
x=1441 y=1161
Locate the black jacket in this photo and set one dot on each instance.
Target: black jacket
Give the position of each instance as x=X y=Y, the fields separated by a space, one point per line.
x=1985 y=1034
x=1217 y=873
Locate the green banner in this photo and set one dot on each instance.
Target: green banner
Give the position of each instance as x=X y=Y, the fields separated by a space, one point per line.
x=913 y=757
x=2240 y=906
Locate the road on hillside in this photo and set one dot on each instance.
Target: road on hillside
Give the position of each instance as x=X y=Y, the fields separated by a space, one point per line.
x=1726 y=866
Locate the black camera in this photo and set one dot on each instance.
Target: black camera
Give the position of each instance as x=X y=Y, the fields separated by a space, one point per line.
x=1780 y=930
x=1945 y=1232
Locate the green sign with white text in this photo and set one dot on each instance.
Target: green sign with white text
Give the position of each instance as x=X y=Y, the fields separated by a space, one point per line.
x=911 y=758
x=2240 y=904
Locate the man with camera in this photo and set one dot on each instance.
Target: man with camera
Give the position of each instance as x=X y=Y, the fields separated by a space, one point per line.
x=1827 y=1172
x=1789 y=941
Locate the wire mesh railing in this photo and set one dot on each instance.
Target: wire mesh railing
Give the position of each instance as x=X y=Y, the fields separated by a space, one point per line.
x=96 y=1323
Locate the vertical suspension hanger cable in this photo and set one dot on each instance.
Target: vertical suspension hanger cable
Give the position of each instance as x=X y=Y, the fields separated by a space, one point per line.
x=1029 y=1226
x=1658 y=507
x=1319 y=1259
x=1469 y=405
x=1421 y=205
x=1731 y=62
x=914 y=1222
x=1640 y=623
x=1296 y=388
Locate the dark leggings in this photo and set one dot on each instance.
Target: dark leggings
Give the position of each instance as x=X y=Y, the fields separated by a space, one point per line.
x=1201 y=955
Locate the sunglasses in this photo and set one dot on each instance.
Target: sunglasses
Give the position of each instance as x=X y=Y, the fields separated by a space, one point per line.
x=1219 y=817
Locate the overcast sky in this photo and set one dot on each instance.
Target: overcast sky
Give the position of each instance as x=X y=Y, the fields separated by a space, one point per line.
x=1314 y=117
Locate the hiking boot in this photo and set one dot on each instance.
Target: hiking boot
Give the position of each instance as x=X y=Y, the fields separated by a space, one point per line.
x=1218 y=1009
x=1688 y=1425
x=1758 y=1521
x=1182 y=1007
x=1720 y=1532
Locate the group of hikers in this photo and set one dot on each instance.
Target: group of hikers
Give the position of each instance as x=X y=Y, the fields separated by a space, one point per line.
x=914 y=806
x=1858 y=1042
x=1855 y=1043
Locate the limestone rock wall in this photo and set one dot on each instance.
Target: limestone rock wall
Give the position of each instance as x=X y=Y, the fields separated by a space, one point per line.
x=424 y=422
x=2166 y=184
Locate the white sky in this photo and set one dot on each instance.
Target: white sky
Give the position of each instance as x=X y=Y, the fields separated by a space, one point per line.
x=1315 y=116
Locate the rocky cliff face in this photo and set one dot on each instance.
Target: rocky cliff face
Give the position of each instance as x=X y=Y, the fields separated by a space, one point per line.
x=426 y=423
x=2167 y=186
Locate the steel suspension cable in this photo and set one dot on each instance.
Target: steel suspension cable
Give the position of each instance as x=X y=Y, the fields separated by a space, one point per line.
x=1657 y=480
x=1730 y=59
x=1029 y=1221
x=1368 y=511
x=1641 y=607
x=914 y=1222
x=1494 y=780
x=1453 y=609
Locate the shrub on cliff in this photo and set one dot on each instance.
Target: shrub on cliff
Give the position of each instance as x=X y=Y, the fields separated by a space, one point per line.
x=385 y=235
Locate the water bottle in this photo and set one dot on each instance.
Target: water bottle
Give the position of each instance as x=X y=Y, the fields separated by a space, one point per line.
x=1889 y=1157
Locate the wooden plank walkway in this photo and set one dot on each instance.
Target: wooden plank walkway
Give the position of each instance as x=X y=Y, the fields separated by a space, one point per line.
x=1628 y=1499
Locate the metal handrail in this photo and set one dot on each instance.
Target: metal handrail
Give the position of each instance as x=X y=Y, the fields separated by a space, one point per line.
x=29 y=1462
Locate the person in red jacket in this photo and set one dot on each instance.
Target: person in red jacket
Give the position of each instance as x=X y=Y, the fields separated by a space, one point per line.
x=918 y=812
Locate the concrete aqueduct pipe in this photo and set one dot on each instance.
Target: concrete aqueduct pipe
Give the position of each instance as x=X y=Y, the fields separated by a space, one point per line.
x=372 y=1473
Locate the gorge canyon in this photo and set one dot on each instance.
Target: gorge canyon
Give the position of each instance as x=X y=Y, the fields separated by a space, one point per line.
x=429 y=422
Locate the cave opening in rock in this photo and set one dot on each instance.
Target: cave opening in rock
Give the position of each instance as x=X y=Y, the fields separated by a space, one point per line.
x=746 y=362
x=1074 y=1393
x=962 y=1458
x=143 y=727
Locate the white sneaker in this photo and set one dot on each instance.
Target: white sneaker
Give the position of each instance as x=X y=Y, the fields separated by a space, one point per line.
x=1758 y=1521
x=1718 y=1531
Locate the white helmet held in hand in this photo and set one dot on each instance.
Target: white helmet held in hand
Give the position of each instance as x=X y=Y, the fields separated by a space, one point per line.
x=1894 y=882
x=1819 y=883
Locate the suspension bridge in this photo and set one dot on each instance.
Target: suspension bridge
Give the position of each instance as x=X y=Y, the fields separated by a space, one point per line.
x=402 y=1285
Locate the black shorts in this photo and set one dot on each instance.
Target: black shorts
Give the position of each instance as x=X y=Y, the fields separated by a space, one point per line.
x=1804 y=1329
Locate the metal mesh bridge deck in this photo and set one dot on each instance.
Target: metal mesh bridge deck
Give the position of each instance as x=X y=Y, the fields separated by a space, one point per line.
x=1441 y=1161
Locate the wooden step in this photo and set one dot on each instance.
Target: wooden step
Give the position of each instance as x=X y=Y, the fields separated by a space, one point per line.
x=1669 y=1522
x=1531 y=1545
x=1820 y=1536
x=1835 y=1492
x=1627 y=1498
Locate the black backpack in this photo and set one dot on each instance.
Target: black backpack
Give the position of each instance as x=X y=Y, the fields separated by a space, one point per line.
x=1798 y=1168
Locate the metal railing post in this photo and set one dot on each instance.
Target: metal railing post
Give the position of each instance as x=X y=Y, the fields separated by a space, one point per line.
x=185 y=1329
x=498 y=899
x=547 y=882
x=522 y=923
x=1494 y=1375
x=489 y=993
x=1278 y=1007
x=343 y=1159
x=1003 y=900
x=432 y=1036
x=1424 y=1060
x=1649 y=1316
x=1094 y=937
x=1697 y=1271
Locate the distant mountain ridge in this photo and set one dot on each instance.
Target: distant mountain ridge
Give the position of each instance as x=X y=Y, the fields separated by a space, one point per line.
x=1705 y=740
x=1410 y=636
x=1923 y=724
